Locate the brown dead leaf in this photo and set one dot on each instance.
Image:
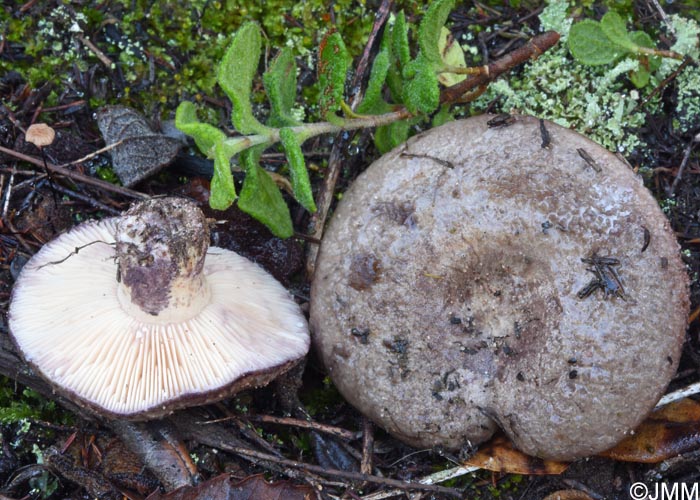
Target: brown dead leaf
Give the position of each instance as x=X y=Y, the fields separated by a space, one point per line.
x=568 y=495
x=252 y=488
x=667 y=432
x=499 y=455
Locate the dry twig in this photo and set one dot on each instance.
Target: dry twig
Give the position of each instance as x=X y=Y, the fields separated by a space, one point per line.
x=86 y=179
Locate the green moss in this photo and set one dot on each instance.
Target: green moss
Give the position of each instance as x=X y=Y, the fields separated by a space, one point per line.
x=25 y=405
x=164 y=52
x=322 y=400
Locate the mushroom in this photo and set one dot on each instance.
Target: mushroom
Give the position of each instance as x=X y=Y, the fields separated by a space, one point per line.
x=134 y=316
x=479 y=277
x=40 y=134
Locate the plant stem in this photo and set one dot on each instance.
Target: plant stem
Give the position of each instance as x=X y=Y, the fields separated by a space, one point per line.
x=313 y=129
x=532 y=49
x=659 y=53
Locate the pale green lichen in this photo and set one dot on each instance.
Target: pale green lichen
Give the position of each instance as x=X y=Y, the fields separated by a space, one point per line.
x=595 y=100
x=686 y=32
x=688 y=114
x=555 y=18
x=588 y=99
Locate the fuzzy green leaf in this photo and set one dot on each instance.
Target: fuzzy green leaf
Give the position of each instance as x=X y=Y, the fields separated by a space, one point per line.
x=280 y=81
x=261 y=198
x=223 y=190
x=373 y=103
x=421 y=90
x=333 y=62
x=387 y=137
x=396 y=41
x=399 y=40
x=301 y=186
x=614 y=28
x=430 y=27
x=640 y=78
x=589 y=45
x=236 y=72
x=642 y=39
x=204 y=135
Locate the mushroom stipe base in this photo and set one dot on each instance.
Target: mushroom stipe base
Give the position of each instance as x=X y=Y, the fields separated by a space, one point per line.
x=460 y=257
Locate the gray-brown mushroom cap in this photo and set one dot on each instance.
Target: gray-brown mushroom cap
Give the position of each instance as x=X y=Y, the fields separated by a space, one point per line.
x=450 y=295
x=134 y=316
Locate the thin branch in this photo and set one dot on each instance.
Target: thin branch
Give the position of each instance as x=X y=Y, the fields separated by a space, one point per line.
x=347 y=475
x=325 y=195
x=92 y=155
x=681 y=169
x=664 y=17
x=338 y=432
x=663 y=84
x=366 y=464
x=532 y=49
x=437 y=477
x=86 y=179
x=100 y=55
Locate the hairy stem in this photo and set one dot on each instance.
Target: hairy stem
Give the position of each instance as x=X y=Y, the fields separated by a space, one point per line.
x=659 y=53
x=483 y=75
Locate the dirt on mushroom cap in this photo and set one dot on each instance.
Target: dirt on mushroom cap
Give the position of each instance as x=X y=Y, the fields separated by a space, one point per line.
x=450 y=295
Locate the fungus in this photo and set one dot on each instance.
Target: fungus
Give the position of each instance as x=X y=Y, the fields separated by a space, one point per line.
x=500 y=283
x=40 y=134
x=134 y=316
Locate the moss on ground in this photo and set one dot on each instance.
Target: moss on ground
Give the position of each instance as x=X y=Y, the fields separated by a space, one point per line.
x=158 y=53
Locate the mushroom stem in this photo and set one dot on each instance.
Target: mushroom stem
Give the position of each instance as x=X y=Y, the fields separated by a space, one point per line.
x=161 y=245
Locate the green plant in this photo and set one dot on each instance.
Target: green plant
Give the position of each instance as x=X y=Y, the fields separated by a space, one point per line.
x=414 y=88
x=26 y=406
x=608 y=40
x=413 y=84
x=598 y=100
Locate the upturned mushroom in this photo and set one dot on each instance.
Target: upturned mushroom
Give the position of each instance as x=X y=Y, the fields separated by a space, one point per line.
x=134 y=316
x=501 y=273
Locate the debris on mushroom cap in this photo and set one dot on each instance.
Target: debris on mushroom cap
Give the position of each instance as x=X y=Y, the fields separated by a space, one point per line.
x=40 y=134
x=134 y=317
x=474 y=279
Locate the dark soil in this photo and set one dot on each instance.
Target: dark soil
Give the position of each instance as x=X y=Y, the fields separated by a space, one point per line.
x=35 y=208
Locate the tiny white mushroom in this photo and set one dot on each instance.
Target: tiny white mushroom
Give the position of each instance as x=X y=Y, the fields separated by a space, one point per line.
x=134 y=316
x=40 y=134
